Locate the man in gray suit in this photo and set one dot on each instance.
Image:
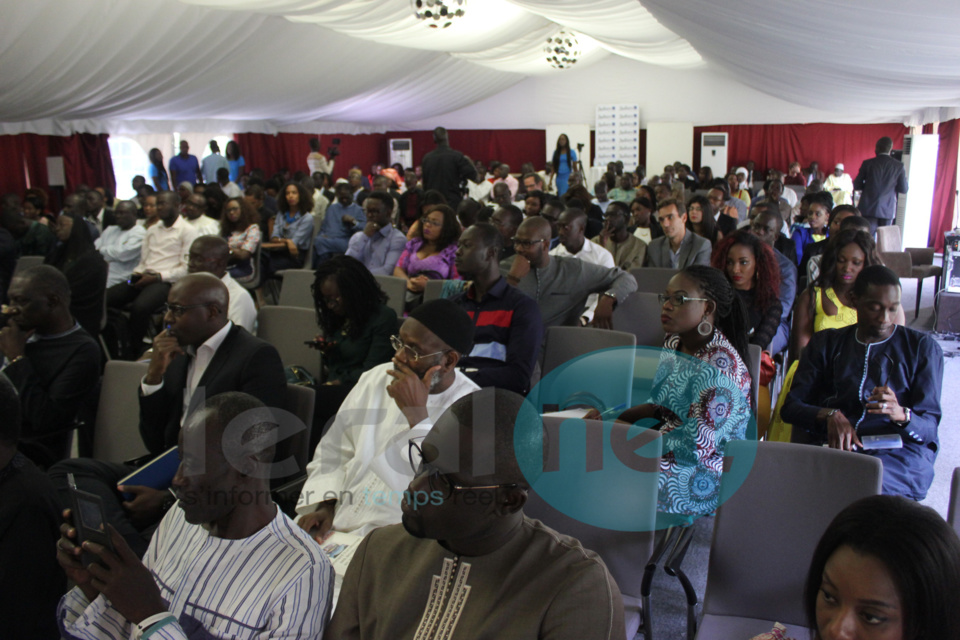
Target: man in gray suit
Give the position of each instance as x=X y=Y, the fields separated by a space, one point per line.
x=679 y=247
x=880 y=180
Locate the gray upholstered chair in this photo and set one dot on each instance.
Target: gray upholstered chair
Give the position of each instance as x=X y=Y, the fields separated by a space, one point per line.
x=766 y=529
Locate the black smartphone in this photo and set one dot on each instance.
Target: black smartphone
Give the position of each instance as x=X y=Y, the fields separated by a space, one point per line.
x=88 y=520
x=134 y=277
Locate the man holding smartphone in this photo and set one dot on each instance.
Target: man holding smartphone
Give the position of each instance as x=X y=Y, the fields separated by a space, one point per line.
x=226 y=562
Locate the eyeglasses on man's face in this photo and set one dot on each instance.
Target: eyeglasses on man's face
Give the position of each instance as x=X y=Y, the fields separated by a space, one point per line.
x=520 y=242
x=678 y=299
x=438 y=481
x=412 y=354
x=177 y=310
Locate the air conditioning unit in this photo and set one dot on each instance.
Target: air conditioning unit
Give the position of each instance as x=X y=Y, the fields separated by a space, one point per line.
x=401 y=150
x=915 y=206
x=713 y=152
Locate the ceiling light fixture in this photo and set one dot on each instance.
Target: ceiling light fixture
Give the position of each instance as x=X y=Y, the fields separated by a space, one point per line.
x=439 y=14
x=562 y=50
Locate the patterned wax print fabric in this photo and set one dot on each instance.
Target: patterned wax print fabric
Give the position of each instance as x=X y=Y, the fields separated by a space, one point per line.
x=708 y=396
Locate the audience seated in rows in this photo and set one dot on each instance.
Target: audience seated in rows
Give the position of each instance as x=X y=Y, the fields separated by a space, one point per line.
x=356 y=326
x=163 y=261
x=628 y=251
x=561 y=285
x=343 y=219
x=120 y=244
x=78 y=259
x=31 y=580
x=429 y=254
x=50 y=359
x=507 y=575
x=239 y=225
x=860 y=374
x=354 y=483
x=677 y=248
x=261 y=576
x=752 y=270
x=292 y=231
x=379 y=245
x=200 y=353
x=703 y=317
x=508 y=330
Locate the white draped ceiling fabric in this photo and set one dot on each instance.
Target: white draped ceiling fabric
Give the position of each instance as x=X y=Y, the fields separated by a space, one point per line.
x=354 y=66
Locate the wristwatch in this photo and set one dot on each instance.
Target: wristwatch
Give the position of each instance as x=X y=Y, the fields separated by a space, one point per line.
x=907 y=415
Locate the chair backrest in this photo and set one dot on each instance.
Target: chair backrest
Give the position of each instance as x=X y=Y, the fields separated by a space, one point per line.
x=295 y=291
x=624 y=552
x=116 y=432
x=308 y=263
x=639 y=314
x=301 y=403
x=888 y=239
x=608 y=375
x=25 y=262
x=953 y=509
x=396 y=290
x=287 y=329
x=767 y=527
x=253 y=282
x=753 y=367
x=652 y=279
x=433 y=290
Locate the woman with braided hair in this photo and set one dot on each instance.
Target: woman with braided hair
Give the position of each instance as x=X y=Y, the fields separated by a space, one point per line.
x=700 y=393
x=356 y=326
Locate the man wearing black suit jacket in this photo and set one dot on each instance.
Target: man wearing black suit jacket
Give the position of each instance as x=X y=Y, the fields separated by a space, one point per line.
x=97 y=213
x=199 y=354
x=880 y=180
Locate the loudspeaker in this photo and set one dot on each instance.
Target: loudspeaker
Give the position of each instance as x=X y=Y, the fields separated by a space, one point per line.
x=948 y=312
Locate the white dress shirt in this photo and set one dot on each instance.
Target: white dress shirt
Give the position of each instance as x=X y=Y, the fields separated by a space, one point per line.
x=121 y=250
x=594 y=254
x=205 y=225
x=195 y=370
x=242 y=311
x=165 y=249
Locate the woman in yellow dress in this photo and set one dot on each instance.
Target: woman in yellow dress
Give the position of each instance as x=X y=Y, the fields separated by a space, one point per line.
x=826 y=304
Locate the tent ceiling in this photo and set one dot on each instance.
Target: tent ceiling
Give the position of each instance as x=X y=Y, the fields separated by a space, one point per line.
x=368 y=65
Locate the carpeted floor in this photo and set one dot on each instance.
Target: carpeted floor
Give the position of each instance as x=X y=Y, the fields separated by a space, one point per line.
x=669 y=606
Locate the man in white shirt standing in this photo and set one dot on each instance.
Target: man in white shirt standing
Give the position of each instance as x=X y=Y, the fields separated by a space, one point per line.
x=120 y=243
x=360 y=470
x=209 y=254
x=195 y=213
x=163 y=261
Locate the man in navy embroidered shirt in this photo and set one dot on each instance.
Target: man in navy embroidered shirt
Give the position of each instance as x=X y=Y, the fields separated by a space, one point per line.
x=466 y=557
x=509 y=328
x=225 y=563
x=874 y=378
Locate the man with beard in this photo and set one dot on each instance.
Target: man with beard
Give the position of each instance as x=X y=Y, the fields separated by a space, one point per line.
x=356 y=478
x=467 y=562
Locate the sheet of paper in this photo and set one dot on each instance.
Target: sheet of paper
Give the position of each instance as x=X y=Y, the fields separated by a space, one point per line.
x=567 y=413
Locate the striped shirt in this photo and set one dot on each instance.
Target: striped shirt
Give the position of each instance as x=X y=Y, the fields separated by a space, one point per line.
x=276 y=583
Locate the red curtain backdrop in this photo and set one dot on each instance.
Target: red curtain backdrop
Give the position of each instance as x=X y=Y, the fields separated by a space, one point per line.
x=945 y=184
x=777 y=145
x=86 y=160
x=289 y=150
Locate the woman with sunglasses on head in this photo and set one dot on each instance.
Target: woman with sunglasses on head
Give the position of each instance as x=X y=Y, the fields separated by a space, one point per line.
x=706 y=346
x=356 y=325
x=430 y=254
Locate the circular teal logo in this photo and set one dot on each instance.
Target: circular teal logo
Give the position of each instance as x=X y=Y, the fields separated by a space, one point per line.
x=664 y=469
